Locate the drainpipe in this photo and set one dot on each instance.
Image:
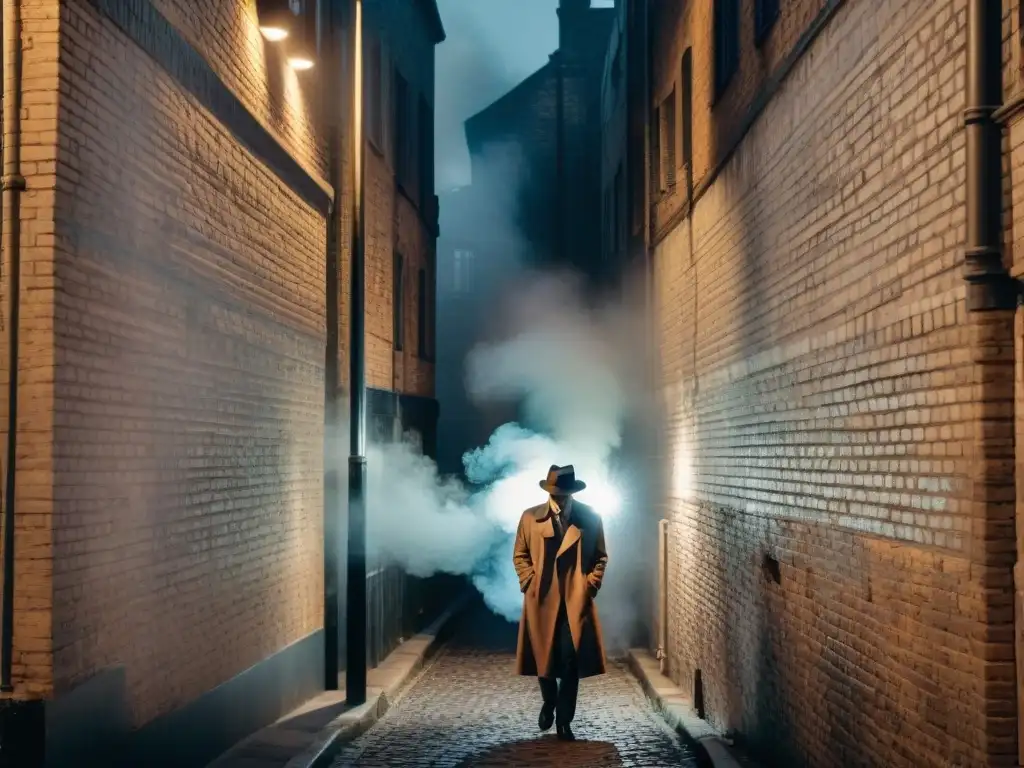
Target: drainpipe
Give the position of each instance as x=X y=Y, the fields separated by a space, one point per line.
x=662 y=595
x=332 y=96
x=355 y=668
x=990 y=288
x=989 y=285
x=13 y=186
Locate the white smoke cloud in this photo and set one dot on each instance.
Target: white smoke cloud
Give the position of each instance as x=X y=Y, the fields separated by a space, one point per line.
x=569 y=367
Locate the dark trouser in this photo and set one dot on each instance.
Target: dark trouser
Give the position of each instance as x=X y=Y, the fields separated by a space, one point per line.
x=562 y=697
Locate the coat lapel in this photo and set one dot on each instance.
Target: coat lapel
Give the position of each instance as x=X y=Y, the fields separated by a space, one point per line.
x=544 y=524
x=572 y=535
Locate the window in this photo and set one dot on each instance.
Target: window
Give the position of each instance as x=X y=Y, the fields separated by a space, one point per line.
x=425 y=123
x=686 y=94
x=462 y=273
x=398 y=303
x=667 y=143
x=727 y=43
x=421 y=311
x=654 y=152
x=374 y=120
x=766 y=13
x=403 y=130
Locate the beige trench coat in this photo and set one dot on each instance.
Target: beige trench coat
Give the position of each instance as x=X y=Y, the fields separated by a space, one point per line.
x=580 y=562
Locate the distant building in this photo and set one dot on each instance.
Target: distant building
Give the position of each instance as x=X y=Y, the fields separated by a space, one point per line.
x=534 y=201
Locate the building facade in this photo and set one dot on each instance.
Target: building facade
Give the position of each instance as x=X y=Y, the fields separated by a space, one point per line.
x=533 y=202
x=839 y=402
x=169 y=508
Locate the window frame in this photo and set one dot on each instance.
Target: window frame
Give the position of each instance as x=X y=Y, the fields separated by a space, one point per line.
x=686 y=111
x=766 y=13
x=373 y=82
x=726 y=44
x=422 y=329
x=400 y=97
x=398 y=302
x=667 y=140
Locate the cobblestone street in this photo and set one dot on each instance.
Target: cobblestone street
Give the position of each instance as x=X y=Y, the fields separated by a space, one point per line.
x=467 y=710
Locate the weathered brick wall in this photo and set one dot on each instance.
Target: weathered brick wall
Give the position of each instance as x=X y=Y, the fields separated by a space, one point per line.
x=830 y=404
x=188 y=380
x=228 y=37
x=396 y=220
x=32 y=662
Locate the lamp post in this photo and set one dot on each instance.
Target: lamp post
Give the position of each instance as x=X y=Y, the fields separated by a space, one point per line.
x=355 y=625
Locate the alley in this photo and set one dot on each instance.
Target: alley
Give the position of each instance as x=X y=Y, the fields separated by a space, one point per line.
x=467 y=710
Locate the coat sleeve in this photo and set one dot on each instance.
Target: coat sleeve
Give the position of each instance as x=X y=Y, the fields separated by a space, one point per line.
x=596 y=576
x=521 y=558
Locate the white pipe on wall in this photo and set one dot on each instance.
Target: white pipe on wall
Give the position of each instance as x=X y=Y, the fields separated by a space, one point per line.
x=662 y=595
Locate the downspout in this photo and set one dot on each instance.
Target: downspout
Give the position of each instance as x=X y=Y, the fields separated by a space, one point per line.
x=989 y=285
x=991 y=292
x=645 y=68
x=662 y=653
x=331 y=95
x=13 y=186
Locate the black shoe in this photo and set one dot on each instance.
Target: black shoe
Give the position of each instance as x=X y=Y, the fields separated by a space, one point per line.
x=547 y=717
x=565 y=733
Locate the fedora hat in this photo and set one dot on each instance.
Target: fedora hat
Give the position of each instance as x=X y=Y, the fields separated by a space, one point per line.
x=562 y=480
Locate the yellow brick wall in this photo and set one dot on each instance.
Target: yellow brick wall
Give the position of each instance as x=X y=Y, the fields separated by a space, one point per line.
x=830 y=403
x=188 y=381
x=34 y=545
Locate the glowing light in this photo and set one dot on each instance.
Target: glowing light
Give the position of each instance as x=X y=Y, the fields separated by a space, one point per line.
x=300 y=63
x=505 y=499
x=604 y=497
x=274 y=34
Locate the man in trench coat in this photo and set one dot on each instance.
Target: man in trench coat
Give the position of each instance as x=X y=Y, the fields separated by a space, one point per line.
x=560 y=558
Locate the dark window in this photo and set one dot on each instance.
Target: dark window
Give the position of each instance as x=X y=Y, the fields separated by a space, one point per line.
x=766 y=13
x=431 y=305
x=398 y=303
x=654 y=152
x=422 y=331
x=462 y=277
x=667 y=142
x=686 y=94
x=403 y=148
x=425 y=122
x=727 y=43
x=374 y=120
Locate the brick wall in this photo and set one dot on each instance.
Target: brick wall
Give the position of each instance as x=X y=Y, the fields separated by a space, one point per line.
x=32 y=661
x=188 y=381
x=830 y=404
x=397 y=221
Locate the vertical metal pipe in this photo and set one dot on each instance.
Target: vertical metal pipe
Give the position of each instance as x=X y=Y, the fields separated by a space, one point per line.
x=355 y=666
x=331 y=96
x=662 y=595
x=13 y=185
x=989 y=286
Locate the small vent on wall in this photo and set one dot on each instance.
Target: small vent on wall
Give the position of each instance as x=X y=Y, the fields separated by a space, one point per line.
x=771 y=570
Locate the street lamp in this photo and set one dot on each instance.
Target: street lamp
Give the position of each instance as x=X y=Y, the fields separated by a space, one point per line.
x=276 y=18
x=355 y=667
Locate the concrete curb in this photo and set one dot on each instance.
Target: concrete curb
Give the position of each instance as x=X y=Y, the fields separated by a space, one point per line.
x=676 y=708
x=384 y=683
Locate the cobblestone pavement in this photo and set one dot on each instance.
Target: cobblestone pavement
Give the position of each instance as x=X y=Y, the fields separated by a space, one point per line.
x=468 y=710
